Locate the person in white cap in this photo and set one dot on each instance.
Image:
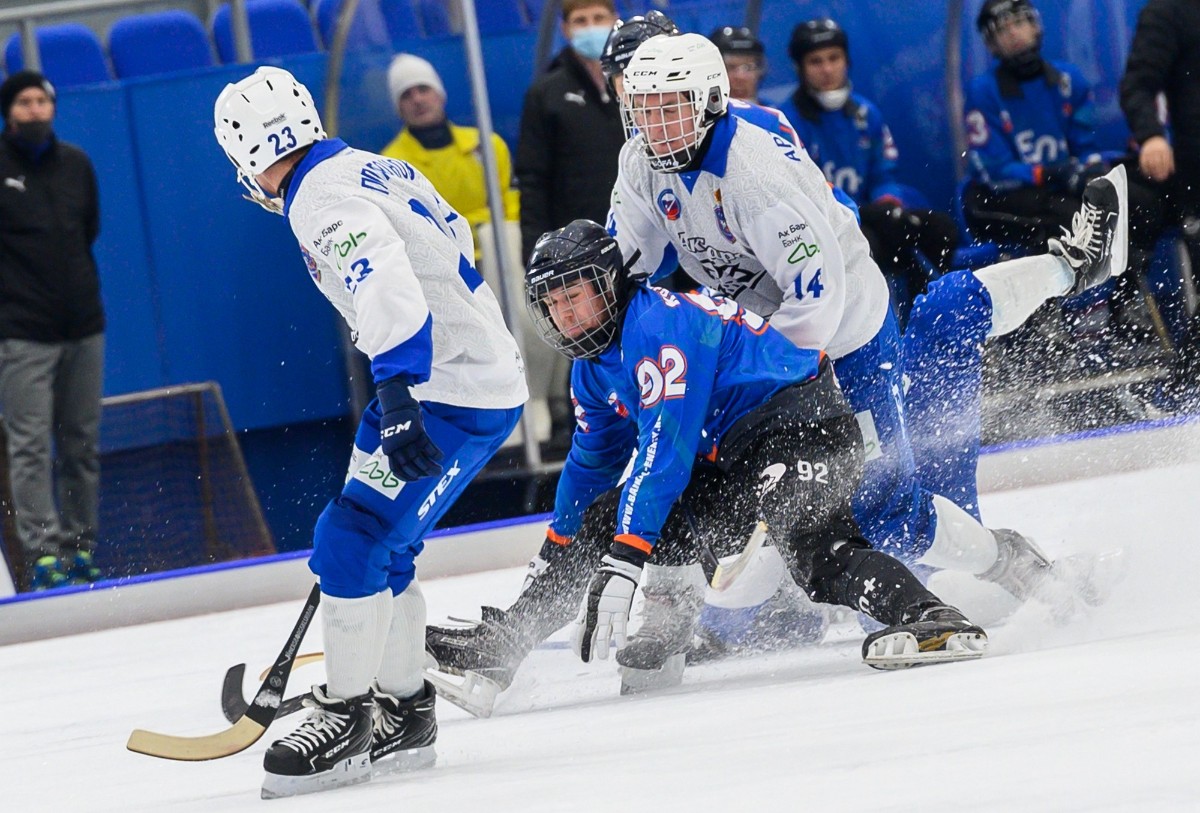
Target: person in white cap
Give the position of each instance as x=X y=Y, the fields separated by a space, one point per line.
x=445 y=153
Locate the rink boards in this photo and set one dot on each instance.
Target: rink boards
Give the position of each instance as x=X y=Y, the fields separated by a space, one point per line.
x=510 y=543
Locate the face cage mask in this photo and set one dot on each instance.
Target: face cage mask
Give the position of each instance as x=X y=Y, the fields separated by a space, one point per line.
x=591 y=343
x=675 y=120
x=255 y=193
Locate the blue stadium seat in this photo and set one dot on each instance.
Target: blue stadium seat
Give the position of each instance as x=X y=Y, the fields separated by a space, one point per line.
x=368 y=30
x=277 y=28
x=71 y=55
x=436 y=17
x=400 y=17
x=500 y=17
x=136 y=44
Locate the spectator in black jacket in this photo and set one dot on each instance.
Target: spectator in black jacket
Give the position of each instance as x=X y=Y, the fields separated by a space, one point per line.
x=51 y=335
x=571 y=131
x=1165 y=58
x=567 y=153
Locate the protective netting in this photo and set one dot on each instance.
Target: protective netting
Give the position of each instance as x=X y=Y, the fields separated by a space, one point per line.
x=174 y=491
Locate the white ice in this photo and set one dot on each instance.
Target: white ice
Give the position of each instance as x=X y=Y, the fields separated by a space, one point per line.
x=1101 y=714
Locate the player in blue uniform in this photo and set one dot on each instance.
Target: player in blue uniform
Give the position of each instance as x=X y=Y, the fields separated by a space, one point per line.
x=1031 y=140
x=745 y=60
x=731 y=423
x=846 y=136
x=994 y=301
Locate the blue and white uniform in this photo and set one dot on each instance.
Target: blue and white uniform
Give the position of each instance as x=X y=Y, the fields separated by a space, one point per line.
x=687 y=368
x=757 y=222
x=1015 y=129
x=397 y=262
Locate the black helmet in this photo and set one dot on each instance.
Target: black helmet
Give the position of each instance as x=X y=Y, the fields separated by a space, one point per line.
x=737 y=40
x=627 y=35
x=812 y=35
x=580 y=251
x=994 y=15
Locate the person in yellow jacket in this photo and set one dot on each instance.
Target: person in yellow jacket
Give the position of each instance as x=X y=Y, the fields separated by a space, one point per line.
x=445 y=153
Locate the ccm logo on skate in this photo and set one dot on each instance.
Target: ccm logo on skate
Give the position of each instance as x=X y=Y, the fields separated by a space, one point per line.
x=442 y=485
x=395 y=430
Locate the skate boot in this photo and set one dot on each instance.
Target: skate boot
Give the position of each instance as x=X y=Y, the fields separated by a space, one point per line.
x=80 y=568
x=471 y=663
x=331 y=748
x=1097 y=245
x=491 y=648
x=404 y=731
x=930 y=633
x=46 y=573
x=1027 y=573
x=655 y=655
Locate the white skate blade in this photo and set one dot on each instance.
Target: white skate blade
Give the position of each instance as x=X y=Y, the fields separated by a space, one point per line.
x=900 y=650
x=724 y=576
x=637 y=681
x=414 y=759
x=474 y=693
x=1120 y=244
x=352 y=771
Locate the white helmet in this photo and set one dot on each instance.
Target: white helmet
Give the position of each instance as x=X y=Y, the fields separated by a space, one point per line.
x=672 y=127
x=261 y=119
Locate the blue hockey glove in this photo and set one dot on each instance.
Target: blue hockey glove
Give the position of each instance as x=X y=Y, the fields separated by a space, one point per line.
x=410 y=453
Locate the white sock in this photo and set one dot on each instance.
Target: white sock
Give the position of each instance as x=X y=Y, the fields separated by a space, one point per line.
x=1019 y=287
x=960 y=542
x=401 y=672
x=354 y=631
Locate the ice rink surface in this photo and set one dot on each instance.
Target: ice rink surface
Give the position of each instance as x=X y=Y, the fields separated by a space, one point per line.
x=1101 y=714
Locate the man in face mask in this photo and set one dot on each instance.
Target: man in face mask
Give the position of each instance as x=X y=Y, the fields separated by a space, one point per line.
x=846 y=136
x=566 y=162
x=51 y=336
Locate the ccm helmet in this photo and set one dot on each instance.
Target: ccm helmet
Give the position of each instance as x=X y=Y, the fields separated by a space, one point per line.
x=579 y=321
x=627 y=35
x=261 y=119
x=675 y=90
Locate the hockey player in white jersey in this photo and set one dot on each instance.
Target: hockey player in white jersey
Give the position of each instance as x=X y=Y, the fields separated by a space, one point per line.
x=396 y=261
x=745 y=211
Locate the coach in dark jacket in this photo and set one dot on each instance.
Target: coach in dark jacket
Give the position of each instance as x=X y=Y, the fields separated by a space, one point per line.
x=1165 y=57
x=571 y=131
x=51 y=334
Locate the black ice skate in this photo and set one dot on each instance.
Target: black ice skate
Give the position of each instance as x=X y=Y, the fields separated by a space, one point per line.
x=936 y=634
x=404 y=731
x=1097 y=245
x=331 y=748
x=490 y=648
x=482 y=655
x=655 y=656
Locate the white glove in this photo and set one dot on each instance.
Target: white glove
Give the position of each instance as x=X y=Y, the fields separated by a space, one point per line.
x=606 y=608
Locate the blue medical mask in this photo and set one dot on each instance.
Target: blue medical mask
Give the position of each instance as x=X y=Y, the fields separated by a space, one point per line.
x=589 y=42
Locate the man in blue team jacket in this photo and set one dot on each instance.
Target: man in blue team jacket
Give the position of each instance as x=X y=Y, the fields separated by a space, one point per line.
x=846 y=136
